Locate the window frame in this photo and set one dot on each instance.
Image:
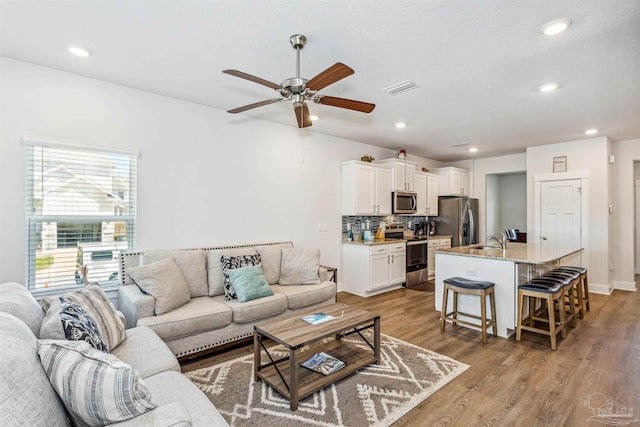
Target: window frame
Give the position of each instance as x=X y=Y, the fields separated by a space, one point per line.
x=35 y=221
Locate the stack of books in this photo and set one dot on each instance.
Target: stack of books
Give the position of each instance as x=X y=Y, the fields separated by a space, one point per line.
x=323 y=363
x=317 y=318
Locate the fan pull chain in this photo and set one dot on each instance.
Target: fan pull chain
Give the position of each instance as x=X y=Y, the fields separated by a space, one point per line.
x=301 y=130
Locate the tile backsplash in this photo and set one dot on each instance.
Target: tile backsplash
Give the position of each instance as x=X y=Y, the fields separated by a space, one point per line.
x=357 y=222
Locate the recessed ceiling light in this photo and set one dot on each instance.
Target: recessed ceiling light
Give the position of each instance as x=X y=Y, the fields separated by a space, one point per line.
x=401 y=125
x=591 y=131
x=549 y=87
x=556 y=26
x=80 y=51
x=473 y=149
x=314 y=117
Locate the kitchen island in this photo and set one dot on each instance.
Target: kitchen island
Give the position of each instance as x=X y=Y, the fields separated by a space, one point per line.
x=516 y=265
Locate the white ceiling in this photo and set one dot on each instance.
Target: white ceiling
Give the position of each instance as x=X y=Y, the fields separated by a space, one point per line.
x=478 y=63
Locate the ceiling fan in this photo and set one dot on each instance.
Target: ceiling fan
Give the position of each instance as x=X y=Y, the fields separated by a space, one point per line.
x=299 y=90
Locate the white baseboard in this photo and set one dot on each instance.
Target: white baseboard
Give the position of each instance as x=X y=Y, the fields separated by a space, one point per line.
x=624 y=286
x=600 y=289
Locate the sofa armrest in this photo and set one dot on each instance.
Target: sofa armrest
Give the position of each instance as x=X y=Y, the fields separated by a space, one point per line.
x=134 y=304
x=328 y=273
x=170 y=415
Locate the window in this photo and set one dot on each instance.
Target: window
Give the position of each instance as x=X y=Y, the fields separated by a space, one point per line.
x=80 y=212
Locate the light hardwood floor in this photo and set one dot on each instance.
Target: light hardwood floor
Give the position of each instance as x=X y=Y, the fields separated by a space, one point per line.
x=514 y=383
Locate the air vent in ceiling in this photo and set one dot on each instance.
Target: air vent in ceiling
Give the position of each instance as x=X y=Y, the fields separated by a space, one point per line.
x=400 y=87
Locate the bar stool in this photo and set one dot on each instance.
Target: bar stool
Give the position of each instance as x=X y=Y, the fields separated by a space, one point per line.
x=549 y=292
x=460 y=285
x=575 y=277
x=584 y=285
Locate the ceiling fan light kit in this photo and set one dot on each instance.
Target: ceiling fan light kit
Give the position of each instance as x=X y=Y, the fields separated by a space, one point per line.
x=299 y=90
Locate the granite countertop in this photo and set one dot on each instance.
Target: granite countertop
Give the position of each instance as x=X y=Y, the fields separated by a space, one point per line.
x=439 y=236
x=372 y=242
x=526 y=253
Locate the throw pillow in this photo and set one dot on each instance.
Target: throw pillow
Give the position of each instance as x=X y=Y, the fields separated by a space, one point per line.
x=300 y=266
x=231 y=262
x=165 y=282
x=96 y=388
x=97 y=304
x=66 y=320
x=249 y=283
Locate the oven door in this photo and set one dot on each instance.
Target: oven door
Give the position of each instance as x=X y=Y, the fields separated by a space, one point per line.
x=416 y=255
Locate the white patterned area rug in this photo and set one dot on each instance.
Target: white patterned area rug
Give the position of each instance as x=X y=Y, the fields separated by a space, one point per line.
x=377 y=395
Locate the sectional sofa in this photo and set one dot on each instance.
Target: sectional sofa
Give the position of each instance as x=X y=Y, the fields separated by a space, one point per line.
x=204 y=318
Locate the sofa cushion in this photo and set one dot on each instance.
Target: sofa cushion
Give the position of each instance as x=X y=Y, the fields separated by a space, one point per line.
x=214 y=267
x=17 y=300
x=300 y=266
x=145 y=352
x=270 y=259
x=27 y=396
x=66 y=320
x=231 y=262
x=249 y=283
x=257 y=309
x=171 y=387
x=165 y=282
x=201 y=314
x=299 y=296
x=96 y=388
x=98 y=306
x=192 y=264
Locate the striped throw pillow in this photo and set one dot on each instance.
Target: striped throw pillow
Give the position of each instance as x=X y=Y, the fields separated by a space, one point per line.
x=96 y=388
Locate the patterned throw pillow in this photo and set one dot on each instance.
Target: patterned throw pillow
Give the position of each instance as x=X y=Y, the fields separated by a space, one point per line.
x=79 y=326
x=96 y=388
x=231 y=262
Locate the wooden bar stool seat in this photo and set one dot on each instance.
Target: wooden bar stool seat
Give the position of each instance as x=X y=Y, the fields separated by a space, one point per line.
x=459 y=285
x=584 y=285
x=577 y=288
x=549 y=292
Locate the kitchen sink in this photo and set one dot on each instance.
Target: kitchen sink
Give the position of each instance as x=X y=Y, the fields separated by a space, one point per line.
x=486 y=247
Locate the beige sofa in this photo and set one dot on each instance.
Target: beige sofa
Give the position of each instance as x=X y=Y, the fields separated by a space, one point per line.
x=29 y=399
x=207 y=320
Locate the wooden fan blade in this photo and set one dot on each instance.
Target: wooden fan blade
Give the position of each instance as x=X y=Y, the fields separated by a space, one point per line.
x=336 y=72
x=303 y=116
x=254 y=79
x=349 y=104
x=255 y=105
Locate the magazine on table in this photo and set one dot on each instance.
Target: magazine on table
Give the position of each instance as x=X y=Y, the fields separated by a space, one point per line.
x=317 y=318
x=323 y=363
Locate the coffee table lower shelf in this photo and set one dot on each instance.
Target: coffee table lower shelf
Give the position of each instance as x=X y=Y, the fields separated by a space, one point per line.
x=310 y=381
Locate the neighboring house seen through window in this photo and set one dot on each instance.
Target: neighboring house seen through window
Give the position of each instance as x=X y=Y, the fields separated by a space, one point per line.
x=80 y=212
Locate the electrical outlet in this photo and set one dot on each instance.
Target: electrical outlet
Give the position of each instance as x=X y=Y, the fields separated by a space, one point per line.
x=323 y=227
x=471 y=272
x=610 y=267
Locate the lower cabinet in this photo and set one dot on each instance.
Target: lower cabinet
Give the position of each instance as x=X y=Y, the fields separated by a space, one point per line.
x=434 y=244
x=372 y=269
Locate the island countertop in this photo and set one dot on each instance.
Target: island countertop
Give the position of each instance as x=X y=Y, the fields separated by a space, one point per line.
x=527 y=253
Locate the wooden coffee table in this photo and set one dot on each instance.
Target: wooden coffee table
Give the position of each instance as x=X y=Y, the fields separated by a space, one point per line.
x=302 y=339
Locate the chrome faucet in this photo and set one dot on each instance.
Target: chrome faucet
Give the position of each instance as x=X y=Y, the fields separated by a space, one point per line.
x=502 y=240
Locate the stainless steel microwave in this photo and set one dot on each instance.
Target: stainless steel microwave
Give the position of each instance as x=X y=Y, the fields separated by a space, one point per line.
x=404 y=202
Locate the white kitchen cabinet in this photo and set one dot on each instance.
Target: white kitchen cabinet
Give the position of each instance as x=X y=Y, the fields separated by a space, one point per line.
x=432 y=246
x=403 y=174
x=366 y=189
x=372 y=269
x=454 y=181
x=433 y=191
x=420 y=185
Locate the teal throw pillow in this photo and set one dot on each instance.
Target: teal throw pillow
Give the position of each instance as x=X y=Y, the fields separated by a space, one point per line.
x=249 y=283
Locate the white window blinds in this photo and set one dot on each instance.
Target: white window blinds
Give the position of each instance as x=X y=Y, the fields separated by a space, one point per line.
x=80 y=213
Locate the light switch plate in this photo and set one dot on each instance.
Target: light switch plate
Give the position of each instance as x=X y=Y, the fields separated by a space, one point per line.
x=323 y=227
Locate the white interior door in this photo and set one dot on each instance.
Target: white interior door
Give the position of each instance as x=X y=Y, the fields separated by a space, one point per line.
x=560 y=215
x=637 y=228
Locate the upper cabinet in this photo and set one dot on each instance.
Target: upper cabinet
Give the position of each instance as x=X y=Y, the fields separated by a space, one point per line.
x=366 y=189
x=433 y=191
x=454 y=181
x=420 y=185
x=403 y=175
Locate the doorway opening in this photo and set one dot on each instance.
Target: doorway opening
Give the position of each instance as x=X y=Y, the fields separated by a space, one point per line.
x=506 y=203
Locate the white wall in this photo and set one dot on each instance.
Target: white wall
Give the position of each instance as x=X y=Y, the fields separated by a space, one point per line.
x=206 y=177
x=491 y=203
x=584 y=155
x=626 y=153
x=513 y=201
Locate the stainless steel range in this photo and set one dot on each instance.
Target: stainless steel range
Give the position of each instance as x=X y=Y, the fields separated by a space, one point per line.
x=416 y=254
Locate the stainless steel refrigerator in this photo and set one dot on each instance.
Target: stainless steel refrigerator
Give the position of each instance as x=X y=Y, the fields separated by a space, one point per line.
x=458 y=217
